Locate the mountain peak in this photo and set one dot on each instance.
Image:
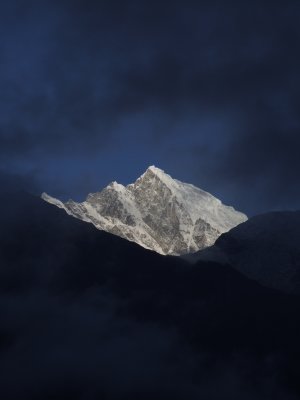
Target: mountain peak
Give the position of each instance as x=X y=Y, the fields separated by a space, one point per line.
x=155 y=169
x=158 y=212
x=161 y=175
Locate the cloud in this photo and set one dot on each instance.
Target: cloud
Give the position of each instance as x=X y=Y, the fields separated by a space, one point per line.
x=73 y=74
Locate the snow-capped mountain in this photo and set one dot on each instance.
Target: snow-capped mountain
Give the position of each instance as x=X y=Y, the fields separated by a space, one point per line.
x=157 y=212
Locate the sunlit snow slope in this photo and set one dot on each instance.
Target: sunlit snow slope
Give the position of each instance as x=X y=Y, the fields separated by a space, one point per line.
x=157 y=212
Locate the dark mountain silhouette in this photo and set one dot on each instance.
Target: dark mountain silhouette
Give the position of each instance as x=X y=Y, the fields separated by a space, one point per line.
x=87 y=315
x=265 y=248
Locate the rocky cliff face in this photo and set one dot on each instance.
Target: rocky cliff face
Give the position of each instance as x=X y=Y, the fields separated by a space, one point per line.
x=157 y=212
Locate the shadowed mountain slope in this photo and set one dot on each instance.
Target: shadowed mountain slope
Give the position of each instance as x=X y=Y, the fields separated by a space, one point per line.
x=265 y=248
x=87 y=315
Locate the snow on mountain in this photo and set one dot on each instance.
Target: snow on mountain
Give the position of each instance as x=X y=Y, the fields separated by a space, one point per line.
x=157 y=212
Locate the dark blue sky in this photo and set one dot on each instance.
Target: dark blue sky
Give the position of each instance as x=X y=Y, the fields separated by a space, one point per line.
x=95 y=91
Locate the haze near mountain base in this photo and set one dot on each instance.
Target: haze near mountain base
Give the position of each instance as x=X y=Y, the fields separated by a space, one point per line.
x=157 y=212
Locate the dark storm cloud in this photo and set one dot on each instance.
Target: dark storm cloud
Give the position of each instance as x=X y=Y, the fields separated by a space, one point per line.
x=16 y=183
x=265 y=165
x=72 y=72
